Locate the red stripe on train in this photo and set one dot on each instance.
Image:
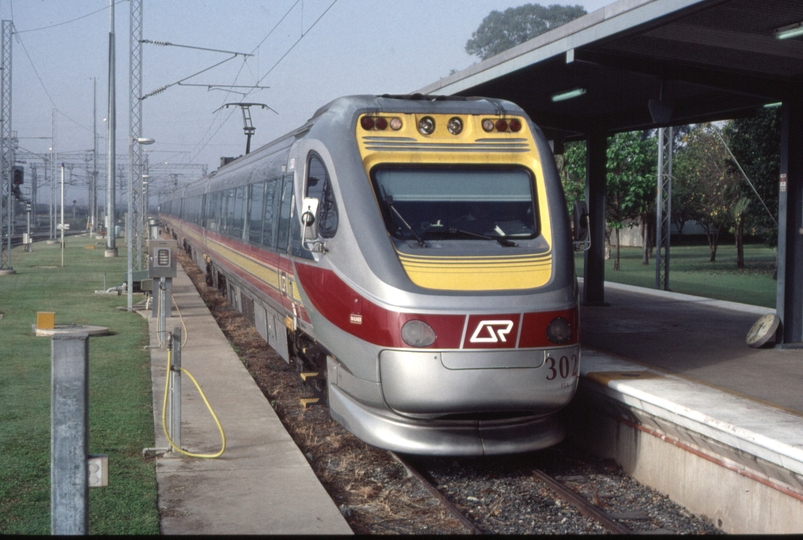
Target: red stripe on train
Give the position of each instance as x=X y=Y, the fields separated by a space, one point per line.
x=348 y=310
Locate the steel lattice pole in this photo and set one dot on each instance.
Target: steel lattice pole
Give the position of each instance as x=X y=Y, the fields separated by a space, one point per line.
x=663 y=209
x=6 y=149
x=135 y=123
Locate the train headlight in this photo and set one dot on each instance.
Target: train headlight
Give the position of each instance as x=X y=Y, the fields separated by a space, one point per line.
x=426 y=125
x=418 y=334
x=488 y=125
x=455 y=125
x=395 y=124
x=559 y=331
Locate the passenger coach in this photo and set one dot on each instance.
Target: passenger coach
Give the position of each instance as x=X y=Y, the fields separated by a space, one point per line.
x=413 y=255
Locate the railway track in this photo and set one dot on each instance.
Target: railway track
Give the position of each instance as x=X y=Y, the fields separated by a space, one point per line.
x=583 y=505
x=16 y=239
x=560 y=490
x=449 y=505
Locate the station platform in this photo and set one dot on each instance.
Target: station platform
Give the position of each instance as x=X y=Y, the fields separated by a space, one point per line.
x=670 y=389
x=262 y=484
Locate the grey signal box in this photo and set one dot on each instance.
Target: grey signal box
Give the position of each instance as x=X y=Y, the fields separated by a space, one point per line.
x=162 y=258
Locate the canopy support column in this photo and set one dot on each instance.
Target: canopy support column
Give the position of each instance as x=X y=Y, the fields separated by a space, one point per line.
x=594 y=272
x=789 y=301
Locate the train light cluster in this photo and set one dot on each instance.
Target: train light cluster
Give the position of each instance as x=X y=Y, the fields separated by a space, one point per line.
x=426 y=126
x=455 y=125
x=559 y=331
x=501 y=125
x=417 y=333
x=380 y=123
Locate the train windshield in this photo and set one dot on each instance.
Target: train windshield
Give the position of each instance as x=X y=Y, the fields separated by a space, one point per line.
x=440 y=203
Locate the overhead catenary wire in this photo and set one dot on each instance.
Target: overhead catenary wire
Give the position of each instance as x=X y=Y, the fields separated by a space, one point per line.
x=104 y=8
x=212 y=123
x=303 y=34
x=165 y=87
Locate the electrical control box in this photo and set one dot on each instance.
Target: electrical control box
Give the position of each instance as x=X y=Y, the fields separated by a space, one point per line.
x=162 y=258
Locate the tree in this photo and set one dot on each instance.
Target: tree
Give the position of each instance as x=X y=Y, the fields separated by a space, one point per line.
x=499 y=32
x=703 y=183
x=630 y=179
x=756 y=143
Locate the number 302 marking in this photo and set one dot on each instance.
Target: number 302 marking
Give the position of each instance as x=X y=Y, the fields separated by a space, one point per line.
x=562 y=368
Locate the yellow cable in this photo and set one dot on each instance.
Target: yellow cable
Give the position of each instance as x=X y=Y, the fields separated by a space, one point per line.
x=181 y=318
x=208 y=406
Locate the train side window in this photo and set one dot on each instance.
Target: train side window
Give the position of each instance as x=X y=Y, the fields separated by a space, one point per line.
x=237 y=213
x=209 y=216
x=221 y=208
x=272 y=201
x=213 y=211
x=286 y=213
x=319 y=187
x=227 y=210
x=256 y=212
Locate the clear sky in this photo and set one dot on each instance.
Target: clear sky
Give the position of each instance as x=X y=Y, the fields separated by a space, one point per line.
x=307 y=52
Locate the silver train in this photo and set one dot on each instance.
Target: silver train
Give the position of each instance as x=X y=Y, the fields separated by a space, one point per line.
x=414 y=256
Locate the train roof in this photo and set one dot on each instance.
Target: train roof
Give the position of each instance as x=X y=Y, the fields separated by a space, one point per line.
x=417 y=103
x=346 y=107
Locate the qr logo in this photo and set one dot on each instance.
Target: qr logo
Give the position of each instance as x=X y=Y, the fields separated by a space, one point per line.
x=492 y=332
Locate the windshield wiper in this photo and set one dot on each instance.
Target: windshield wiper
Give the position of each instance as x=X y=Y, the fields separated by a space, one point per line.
x=389 y=201
x=500 y=239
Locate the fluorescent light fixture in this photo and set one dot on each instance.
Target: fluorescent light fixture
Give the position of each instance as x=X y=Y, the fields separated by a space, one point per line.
x=773 y=105
x=568 y=94
x=786 y=32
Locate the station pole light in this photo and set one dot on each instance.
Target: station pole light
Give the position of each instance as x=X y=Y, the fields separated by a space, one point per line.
x=61 y=224
x=111 y=246
x=128 y=219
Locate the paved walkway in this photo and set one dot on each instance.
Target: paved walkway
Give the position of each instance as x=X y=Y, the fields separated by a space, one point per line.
x=695 y=337
x=262 y=484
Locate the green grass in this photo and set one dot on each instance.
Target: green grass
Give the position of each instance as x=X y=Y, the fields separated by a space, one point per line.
x=120 y=405
x=690 y=272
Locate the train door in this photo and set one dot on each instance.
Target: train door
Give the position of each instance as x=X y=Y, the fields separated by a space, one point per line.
x=282 y=243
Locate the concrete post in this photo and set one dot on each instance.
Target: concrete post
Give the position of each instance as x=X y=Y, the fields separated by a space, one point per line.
x=69 y=440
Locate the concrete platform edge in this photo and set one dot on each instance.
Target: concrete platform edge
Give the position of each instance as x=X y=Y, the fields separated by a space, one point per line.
x=753 y=451
x=724 y=304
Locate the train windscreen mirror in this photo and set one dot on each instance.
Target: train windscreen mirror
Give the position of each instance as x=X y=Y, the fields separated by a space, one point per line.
x=580 y=221
x=162 y=258
x=309 y=209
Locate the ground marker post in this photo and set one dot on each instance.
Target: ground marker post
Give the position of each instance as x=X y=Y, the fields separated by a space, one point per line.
x=69 y=440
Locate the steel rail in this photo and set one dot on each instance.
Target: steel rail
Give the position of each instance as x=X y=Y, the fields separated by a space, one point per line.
x=580 y=502
x=449 y=505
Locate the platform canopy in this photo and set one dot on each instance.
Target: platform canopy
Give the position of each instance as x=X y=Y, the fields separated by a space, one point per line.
x=639 y=64
x=700 y=60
